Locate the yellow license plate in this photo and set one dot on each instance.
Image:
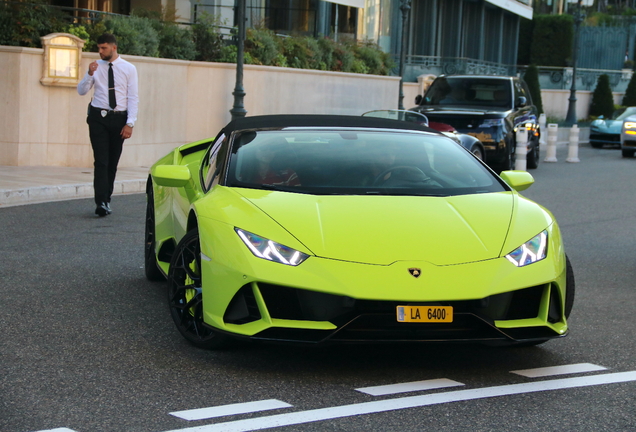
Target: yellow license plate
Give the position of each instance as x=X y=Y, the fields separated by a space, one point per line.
x=427 y=314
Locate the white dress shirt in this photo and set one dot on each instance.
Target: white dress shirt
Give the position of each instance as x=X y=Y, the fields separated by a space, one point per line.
x=126 y=87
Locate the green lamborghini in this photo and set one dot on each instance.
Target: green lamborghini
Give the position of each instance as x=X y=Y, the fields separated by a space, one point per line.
x=338 y=229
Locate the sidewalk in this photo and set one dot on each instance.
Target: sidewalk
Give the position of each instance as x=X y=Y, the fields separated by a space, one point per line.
x=37 y=184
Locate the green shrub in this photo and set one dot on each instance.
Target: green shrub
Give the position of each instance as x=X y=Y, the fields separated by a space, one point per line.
x=175 y=42
x=135 y=35
x=630 y=94
x=24 y=25
x=552 y=40
x=526 y=28
x=602 y=100
x=229 y=54
x=263 y=45
x=81 y=32
x=8 y=27
x=94 y=31
x=208 y=41
x=376 y=61
x=301 y=52
x=531 y=77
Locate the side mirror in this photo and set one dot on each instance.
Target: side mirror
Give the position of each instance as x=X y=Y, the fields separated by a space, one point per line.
x=522 y=101
x=601 y=117
x=171 y=175
x=518 y=180
x=418 y=99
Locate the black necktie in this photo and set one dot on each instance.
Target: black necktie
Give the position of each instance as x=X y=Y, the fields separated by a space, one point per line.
x=112 y=101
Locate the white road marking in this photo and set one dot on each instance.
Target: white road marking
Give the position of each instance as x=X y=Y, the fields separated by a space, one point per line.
x=559 y=370
x=58 y=430
x=232 y=409
x=409 y=402
x=409 y=387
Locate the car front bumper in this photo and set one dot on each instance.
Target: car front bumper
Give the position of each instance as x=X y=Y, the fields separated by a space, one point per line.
x=324 y=300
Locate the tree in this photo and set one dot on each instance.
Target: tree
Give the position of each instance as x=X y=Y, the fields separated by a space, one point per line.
x=630 y=94
x=531 y=77
x=602 y=100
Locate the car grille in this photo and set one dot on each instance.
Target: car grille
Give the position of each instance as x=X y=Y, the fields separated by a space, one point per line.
x=370 y=320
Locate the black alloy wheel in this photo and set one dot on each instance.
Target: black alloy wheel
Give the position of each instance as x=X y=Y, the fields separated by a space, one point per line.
x=185 y=297
x=151 y=267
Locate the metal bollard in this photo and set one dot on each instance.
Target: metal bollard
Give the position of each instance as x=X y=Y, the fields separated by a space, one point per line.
x=522 y=148
x=573 y=146
x=542 y=123
x=553 y=130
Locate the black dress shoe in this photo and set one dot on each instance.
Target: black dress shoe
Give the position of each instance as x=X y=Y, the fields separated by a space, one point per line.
x=103 y=210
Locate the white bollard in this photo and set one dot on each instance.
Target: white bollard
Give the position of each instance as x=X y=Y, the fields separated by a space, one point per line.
x=573 y=146
x=553 y=130
x=522 y=148
x=542 y=130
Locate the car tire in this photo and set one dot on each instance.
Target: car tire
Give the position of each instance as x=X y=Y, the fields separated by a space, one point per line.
x=185 y=297
x=533 y=156
x=570 y=288
x=151 y=268
x=477 y=151
x=627 y=153
x=509 y=161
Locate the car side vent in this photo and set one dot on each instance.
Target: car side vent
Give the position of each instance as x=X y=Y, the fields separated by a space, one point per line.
x=243 y=308
x=554 y=312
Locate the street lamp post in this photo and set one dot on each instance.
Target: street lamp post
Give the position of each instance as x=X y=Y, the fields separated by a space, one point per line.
x=238 y=110
x=405 y=7
x=578 y=19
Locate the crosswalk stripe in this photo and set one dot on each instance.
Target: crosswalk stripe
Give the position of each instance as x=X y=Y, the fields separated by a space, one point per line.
x=559 y=370
x=409 y=387
x=232 y=409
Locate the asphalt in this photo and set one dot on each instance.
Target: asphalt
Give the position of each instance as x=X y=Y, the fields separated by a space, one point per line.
x=20 y=185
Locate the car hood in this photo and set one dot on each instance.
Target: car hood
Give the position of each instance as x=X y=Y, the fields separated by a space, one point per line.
x=607 y=126
x=385 y=229
x=434 y=110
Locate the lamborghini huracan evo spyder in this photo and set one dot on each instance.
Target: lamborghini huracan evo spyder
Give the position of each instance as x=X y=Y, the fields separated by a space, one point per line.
x=317 y=229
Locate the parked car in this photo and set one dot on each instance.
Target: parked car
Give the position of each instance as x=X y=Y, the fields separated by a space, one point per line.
x=608 y=131
x=471 y=143
x=315 y=229
x=628 y=136
x=490 y=108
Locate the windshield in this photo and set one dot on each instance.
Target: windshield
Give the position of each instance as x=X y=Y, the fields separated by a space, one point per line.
x=449 y=91
x=623 y=113
x=356 y=162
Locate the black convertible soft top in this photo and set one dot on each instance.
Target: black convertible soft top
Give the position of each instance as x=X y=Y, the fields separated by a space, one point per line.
x=280 y=121
x=308 y=120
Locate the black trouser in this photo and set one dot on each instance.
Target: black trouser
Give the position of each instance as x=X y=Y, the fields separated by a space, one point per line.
x=107 y=143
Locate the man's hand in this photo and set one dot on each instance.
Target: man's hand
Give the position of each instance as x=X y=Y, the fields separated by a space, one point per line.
x=126 y=132
x=92 y=68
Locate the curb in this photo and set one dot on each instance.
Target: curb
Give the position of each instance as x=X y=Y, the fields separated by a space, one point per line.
x=41 y=194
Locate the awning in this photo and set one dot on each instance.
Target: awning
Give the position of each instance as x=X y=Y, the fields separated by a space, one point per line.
x=514 y=6
x=353 y=3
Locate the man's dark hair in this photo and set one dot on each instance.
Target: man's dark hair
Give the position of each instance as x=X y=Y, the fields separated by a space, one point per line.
x=107 y=38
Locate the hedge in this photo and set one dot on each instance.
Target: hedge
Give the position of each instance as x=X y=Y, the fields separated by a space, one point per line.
x=147 y=33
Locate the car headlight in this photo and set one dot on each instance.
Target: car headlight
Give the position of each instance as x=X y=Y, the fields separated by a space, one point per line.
x=531 y=251
x=270 y=250
x=629 y=125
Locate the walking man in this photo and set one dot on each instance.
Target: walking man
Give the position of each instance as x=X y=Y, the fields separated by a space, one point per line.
x=112 y=114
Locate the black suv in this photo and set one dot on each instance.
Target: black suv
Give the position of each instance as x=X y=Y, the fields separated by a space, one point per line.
x=487 y=107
